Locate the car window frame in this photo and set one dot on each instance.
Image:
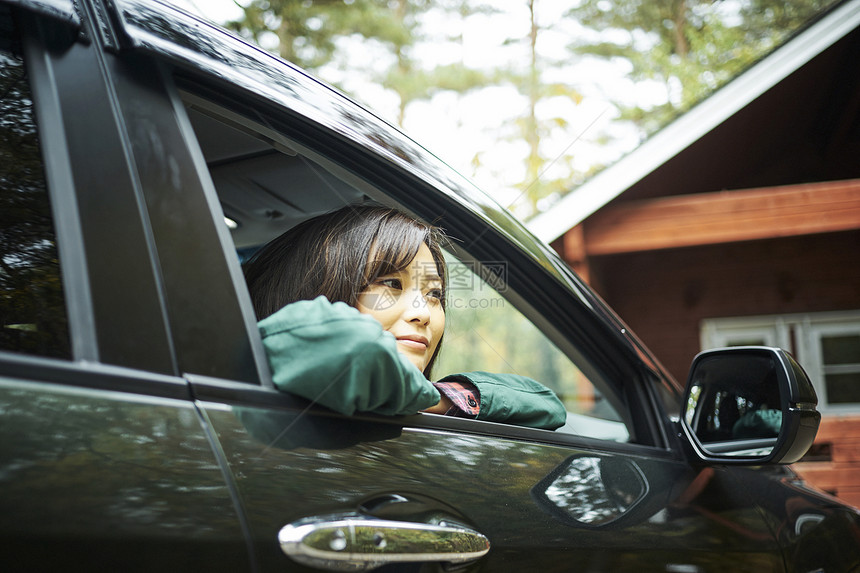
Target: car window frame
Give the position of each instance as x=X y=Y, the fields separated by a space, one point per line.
x=98 y=265
x=384 y=158
x=211 y=54
x=46 y=44
x=59 y=181
x=643 y=421
x=202 y=387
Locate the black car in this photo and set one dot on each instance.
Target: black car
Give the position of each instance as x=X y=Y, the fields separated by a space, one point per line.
x=143 y=154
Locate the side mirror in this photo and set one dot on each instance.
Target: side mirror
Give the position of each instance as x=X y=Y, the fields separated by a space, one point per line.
x=749 y=405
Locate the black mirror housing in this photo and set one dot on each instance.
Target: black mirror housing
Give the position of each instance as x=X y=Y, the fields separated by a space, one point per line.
x=750 y=405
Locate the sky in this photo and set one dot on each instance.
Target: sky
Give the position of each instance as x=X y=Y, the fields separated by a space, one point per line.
x=474 y=132
x=216 y=10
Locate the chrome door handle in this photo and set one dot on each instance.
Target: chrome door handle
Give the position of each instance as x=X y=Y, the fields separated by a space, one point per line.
x=357 y=542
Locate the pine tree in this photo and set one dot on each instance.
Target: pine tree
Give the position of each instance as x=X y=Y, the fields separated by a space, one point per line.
x=691 y=47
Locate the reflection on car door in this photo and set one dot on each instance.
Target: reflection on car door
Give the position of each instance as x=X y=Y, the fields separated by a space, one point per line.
x=105 y=480
x=543 y=506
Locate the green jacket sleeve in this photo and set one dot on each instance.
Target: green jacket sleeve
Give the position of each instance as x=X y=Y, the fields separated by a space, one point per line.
x=335 y=356
x=514 y=399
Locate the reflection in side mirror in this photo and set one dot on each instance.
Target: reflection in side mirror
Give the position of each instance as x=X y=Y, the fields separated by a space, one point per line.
x=592 y=491
x=750 y=405
x=734 y=404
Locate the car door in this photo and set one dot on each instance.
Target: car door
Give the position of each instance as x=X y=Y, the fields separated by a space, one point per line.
x=585 y=496
x=105 y=461
x=269 y=146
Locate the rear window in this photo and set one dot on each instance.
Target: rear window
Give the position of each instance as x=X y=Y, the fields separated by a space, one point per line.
x=32 y=306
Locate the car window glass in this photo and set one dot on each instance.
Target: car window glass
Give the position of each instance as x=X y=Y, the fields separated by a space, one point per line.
x=32 y=306
x=485 y=331
x=267 y=183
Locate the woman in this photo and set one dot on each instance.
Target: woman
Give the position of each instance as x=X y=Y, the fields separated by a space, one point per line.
x=352 y=314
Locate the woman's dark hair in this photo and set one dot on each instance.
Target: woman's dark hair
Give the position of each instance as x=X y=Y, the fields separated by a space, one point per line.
x=338 y=255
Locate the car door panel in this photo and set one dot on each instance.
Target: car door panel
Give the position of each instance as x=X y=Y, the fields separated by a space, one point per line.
x=105 y=479
x=102 y=467
x=290 y=464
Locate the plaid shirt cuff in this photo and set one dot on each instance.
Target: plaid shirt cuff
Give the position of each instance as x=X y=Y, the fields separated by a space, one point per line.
x=465 y=398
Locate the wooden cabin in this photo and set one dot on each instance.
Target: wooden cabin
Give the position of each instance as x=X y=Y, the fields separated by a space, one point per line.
x=739 y=223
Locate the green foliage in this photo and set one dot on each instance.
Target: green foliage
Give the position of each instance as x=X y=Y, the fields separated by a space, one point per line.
x=536 y=127
x=308 y=34
x=686 y=48
x=692 y=47
x=421 y=84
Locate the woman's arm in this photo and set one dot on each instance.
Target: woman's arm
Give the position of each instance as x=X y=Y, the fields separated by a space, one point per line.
x=335 y=356
x=514 y=399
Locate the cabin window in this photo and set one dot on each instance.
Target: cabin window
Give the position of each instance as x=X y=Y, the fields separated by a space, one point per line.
x=827 y=345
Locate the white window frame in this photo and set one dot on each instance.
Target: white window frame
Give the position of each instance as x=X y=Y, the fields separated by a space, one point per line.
x=797 y=333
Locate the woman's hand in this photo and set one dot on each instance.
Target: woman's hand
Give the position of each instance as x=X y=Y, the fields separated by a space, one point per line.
x=442 y=407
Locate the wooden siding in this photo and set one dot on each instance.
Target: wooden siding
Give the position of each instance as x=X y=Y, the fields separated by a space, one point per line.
x=675 y=248
x=709 y=218
x=664 y=295
x=839 y=473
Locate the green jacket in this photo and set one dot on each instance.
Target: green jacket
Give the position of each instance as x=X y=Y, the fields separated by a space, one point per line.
x=333 y=355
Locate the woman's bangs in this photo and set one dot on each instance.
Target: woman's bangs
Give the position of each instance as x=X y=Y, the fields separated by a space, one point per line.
x=394 y=249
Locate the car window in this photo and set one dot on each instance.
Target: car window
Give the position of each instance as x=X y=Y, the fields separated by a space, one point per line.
x=32 y=306
x=266 y=183
x=485 y=331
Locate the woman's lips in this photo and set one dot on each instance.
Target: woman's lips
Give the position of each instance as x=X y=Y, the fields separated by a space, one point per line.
x=414 y=342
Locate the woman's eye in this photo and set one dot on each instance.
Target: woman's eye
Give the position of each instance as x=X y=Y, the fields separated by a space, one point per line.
x=390 y=283
x=435 y=293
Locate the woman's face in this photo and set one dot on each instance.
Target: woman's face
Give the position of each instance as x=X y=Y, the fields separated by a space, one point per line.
x=408 y=304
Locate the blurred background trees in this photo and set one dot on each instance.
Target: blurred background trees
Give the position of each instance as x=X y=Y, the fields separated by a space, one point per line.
x=536 y=83
x=689 y=47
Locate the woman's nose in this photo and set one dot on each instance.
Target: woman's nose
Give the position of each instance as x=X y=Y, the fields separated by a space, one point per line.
x=417 y=308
